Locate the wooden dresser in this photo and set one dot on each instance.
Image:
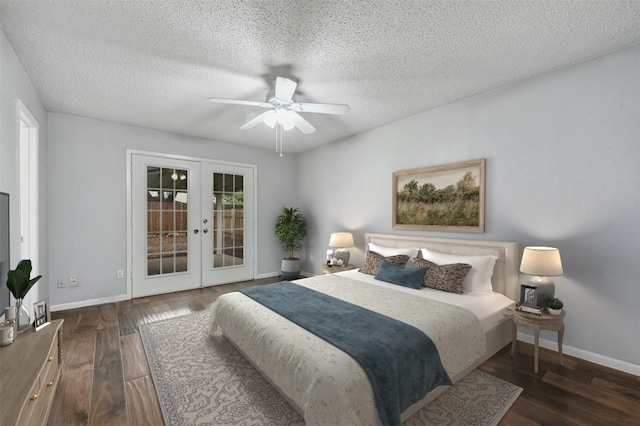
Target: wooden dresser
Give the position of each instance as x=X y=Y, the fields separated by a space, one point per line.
x=30 y=370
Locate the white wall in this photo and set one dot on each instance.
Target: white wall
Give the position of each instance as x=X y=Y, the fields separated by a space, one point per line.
x=14 y=86
x=87 y=187
x=563 y=169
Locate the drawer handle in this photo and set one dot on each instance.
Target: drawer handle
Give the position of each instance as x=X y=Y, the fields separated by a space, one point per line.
x=49 y=384
x=50 y=359
x=34 y=397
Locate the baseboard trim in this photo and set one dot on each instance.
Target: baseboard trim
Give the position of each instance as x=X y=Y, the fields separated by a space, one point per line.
x=267 y=275
x=89 y=302
x=606 y=361
x=121 y=297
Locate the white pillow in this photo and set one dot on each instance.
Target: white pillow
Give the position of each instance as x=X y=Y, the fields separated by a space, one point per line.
x=479 y=276
x=392 y=251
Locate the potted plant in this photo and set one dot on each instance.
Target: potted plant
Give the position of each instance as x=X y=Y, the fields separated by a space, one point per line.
x=291 y=228
x=20 y=282
x=554 y=306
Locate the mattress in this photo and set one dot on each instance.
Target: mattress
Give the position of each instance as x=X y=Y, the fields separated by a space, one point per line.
x=490 y=308
x=321 y=381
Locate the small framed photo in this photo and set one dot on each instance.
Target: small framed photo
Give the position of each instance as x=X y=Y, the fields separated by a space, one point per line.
x=528 y=295
x=42 y=316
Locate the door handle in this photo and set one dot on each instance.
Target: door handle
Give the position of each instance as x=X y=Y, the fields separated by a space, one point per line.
x=195 y=231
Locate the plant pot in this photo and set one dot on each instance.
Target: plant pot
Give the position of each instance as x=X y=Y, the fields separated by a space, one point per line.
x=554 y=311
x=290 y=268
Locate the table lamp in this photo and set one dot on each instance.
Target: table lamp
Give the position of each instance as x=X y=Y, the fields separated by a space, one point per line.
x=541 y=263
x=339 y=241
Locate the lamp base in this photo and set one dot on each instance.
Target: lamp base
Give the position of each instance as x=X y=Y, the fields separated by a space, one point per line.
x=545 y=288
x=342 y=253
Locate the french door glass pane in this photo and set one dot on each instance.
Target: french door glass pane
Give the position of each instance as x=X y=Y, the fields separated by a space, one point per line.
x=228 y=220
x=167 y=205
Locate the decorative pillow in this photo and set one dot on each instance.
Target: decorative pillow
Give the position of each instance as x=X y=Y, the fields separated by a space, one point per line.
x=444 y=277
x=372 y=261
x=478 y=278
x=406 y=277
x=392 y=251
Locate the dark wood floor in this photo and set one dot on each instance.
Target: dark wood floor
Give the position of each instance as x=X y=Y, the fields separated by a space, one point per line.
x=106 y=378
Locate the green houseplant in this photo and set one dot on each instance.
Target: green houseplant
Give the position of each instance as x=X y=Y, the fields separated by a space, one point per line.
x=554 y=305
x=290 y=230
x=20 y=282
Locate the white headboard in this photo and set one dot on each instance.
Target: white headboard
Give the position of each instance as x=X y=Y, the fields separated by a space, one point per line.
x=505 y=272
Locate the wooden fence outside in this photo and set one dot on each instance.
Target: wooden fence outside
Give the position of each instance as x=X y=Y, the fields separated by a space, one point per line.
x=163 y=220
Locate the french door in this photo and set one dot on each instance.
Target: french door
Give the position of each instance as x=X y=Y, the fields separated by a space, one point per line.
x=227 y=223
x=192 y=224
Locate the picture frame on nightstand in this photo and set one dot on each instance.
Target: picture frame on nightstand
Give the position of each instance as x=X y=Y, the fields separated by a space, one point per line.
x=529 y=300
x=528 y=295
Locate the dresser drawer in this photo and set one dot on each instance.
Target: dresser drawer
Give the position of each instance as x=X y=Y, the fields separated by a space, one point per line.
x=51 y=365
x=48 y=383
x=27 y=415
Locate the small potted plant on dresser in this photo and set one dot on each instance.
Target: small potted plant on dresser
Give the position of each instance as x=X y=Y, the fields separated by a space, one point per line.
x=19 y=282
x=291 y=228
x=554 y=306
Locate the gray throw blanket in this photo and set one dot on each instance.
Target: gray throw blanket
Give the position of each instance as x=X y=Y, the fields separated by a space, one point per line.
x=402 y=362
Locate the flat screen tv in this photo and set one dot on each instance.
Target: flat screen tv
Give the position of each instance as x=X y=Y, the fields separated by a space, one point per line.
x=4 y=251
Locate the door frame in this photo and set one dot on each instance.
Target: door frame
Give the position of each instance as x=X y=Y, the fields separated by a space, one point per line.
x=129 y=194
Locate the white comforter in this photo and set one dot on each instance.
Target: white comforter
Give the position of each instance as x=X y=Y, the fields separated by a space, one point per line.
x=326 y=383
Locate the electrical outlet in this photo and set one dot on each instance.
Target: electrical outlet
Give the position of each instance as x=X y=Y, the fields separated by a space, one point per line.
x=73 y=282
x=311 y=257
x=61 y=284
x=120 y=274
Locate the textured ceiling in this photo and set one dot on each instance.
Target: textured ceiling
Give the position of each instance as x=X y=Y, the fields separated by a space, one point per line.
x=153 y=64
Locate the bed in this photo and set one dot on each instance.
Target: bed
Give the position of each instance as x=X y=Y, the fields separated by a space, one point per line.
x=325 y=384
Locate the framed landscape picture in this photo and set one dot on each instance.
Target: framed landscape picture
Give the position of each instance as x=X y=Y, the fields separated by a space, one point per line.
x=446 y=198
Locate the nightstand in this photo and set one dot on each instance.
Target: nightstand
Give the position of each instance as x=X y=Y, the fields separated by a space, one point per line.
x=545 y=321
x=326 y=269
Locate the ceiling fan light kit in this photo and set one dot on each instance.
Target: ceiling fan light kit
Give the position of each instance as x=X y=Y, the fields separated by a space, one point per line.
x=279 y=116
x=283 y=110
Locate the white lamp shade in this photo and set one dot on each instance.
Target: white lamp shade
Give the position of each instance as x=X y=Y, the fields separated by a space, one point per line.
x=541 y=261
x=341 y=239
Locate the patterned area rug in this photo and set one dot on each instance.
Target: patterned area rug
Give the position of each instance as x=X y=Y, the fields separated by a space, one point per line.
x=202 y=380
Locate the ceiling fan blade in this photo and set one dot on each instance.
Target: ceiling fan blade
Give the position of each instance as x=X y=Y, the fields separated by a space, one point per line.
x=321 y=108
x=285 y=88
x=302 y=124
x=240 y=102
x=259 y=119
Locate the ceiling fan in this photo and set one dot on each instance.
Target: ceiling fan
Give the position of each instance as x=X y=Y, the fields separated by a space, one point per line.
x=284 y=110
